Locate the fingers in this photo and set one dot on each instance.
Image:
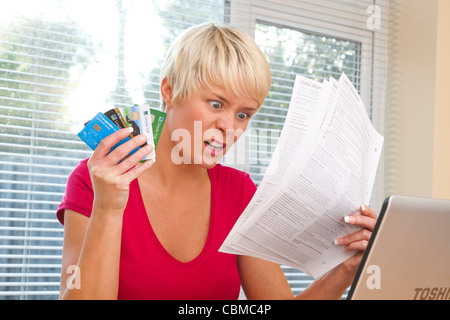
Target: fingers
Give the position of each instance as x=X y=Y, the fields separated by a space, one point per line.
x=133 y=160
x=107 y=143
x=110 y=158
x=138 y=170
x=113 y=171
x=123 y=151
x=119 y=162
x=355 y=241
x=368 y=211
x=359 y=240
x=367 y=218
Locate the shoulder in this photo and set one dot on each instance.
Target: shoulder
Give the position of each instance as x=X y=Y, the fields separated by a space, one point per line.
x=80 y=177
x=79 y=192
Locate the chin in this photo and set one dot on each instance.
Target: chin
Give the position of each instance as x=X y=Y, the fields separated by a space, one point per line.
x=208 y=163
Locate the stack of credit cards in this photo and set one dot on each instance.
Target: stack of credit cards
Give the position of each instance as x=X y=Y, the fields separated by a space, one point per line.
x=142 y=119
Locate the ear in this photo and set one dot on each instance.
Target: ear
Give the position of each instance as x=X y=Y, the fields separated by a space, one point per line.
x=166 y=92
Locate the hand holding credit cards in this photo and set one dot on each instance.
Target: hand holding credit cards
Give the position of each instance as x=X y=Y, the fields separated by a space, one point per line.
x=141 y=119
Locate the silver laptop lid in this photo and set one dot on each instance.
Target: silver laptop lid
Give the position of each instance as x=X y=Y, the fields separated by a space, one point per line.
x=408 y=256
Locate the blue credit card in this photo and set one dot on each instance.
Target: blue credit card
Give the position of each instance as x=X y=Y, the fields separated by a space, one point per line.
x=99 y=128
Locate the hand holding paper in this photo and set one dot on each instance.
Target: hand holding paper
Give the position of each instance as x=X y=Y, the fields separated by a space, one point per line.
x=323 y=169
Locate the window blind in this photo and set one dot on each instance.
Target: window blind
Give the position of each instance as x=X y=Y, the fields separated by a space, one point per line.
x=317 y=39
x=38 y=149
x=59 y=66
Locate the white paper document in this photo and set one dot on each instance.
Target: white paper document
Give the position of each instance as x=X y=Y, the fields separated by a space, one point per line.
x=323 y=168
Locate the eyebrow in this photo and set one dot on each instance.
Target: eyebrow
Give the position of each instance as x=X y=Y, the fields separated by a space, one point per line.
x=250 y=110
x=226 y=101
x=220 y=97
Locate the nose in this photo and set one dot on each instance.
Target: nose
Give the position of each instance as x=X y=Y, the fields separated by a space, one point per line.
x=225 y=121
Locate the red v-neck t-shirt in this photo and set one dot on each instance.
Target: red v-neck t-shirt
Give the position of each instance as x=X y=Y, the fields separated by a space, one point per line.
x=147 y=270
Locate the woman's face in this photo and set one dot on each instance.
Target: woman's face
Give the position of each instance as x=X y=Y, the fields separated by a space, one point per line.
x=205 y=125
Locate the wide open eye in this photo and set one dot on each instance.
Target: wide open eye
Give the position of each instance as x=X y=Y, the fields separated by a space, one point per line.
x=243 y=115
x=215 y=104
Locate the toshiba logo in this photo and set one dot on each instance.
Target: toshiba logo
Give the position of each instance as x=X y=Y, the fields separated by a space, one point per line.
x=431 y=293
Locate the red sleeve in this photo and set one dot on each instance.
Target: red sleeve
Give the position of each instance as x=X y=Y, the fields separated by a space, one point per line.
x=79 y=194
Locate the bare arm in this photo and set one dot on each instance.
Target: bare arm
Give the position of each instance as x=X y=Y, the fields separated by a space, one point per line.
x=265 y=280
x=91 y=248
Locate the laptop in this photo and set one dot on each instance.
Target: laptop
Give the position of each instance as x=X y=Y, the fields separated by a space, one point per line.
x=408 y=255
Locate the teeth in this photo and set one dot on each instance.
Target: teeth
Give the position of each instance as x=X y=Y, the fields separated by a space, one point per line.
x=215 y=145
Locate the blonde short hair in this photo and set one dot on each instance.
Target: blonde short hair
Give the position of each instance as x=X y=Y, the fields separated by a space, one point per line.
x=213 y=54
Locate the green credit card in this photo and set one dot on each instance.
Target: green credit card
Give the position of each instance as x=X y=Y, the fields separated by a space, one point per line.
x=158 y=119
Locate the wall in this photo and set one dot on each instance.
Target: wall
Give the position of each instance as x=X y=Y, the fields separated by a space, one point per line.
x=418 y=99
x=441 y=173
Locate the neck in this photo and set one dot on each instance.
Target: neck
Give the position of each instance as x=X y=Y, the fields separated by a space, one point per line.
x=172 y=176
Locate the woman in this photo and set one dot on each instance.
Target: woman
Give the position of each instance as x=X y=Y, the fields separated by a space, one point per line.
x=152 y=231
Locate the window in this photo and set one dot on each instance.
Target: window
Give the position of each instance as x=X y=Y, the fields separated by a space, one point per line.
x=292 y=52
x=61 y=63
x=317 y=39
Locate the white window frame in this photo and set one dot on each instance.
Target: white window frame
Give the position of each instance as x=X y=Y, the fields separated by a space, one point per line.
x=295 y=15
x=244 y=14
x=288 y=14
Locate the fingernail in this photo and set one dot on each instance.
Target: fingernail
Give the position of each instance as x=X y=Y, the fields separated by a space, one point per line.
x=142 y=137
x=348 y=219
x=130 y=129
x=336 y=242
x=363 y=208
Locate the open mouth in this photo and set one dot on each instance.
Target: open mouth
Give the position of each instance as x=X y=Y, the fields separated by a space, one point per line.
x=214 y=147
